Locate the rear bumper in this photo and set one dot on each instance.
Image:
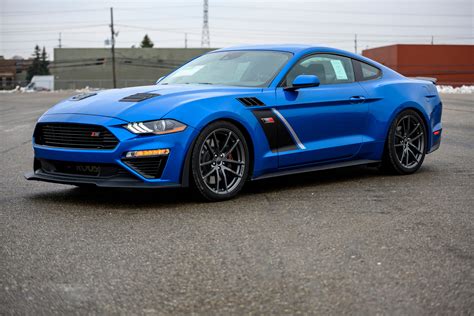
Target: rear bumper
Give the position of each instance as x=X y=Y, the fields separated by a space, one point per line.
x=436 y=140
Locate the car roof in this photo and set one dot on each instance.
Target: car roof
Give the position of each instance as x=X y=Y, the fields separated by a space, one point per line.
x=295 y=49
x=291 y=48
x=302 y=49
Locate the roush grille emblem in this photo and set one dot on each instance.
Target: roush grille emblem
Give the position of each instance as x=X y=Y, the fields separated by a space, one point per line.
x=95 y=134
x=88 y=169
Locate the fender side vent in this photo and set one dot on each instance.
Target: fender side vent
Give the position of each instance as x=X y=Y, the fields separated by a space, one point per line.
x=252 y=101
x=139 y=97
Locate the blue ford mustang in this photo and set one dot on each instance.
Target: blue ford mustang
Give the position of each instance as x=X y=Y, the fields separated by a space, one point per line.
x=237 y=114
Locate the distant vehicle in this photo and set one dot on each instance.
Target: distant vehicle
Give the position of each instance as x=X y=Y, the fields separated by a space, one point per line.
x=41 y=83
x=238 y=114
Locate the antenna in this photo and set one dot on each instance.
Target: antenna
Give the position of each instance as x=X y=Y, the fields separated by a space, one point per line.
x=59 y=39
x=205 y=39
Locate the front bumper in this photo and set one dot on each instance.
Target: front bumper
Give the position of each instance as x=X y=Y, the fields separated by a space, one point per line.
x=130 y=176
x=118 y=182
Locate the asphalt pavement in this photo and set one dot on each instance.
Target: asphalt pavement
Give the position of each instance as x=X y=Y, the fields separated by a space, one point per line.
x=349 y=241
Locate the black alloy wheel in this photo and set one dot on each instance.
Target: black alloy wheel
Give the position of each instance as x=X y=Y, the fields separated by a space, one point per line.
x=220 y=161
x=406 y=143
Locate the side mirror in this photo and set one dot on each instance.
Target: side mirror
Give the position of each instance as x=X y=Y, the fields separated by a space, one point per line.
x=161 y=78
x=304 y=81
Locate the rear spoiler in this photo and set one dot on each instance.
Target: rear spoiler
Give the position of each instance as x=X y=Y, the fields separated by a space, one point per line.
x=430 y=79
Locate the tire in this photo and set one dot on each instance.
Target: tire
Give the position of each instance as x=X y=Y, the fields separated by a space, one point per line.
x=220 y=161
x=406 y=144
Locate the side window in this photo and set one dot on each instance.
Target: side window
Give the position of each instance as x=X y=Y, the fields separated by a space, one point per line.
x=366 y=71
x=330 y=69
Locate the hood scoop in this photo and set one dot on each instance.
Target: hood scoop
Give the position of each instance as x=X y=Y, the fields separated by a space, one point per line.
x=138 y=97
x=252 y=101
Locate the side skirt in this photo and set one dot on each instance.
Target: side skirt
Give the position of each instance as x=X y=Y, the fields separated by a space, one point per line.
x=316 y=168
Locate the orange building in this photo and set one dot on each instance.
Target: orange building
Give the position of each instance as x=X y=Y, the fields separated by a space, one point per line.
x=450 y=64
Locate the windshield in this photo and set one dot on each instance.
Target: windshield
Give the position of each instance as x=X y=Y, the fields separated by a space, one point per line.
x=232 y=68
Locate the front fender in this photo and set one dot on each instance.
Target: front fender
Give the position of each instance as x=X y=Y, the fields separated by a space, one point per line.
x=201 y=113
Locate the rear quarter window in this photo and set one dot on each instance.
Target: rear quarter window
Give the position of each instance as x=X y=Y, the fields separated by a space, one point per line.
x=365 y=71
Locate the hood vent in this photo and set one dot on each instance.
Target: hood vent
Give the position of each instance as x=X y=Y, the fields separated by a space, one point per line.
x=83 y=96
x=139 y=97
x=252 y=101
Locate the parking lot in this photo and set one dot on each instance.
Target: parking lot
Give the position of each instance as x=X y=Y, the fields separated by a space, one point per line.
x=342 y=241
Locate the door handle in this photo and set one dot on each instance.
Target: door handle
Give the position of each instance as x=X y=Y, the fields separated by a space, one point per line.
x=357 y=99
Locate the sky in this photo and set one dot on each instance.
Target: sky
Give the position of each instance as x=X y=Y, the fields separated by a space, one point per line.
x=85 y=23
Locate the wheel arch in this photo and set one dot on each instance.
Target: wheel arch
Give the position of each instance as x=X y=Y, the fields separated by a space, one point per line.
x=185 y=174
x=420 y=112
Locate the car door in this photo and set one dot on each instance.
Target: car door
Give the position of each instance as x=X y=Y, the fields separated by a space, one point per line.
x=326 y=122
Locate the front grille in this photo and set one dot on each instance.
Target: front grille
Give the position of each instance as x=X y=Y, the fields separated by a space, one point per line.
x=98 y=170
x=82 y=136
x=150 y=167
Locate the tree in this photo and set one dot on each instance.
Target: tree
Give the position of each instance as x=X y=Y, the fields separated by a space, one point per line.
x=40 y=63
x=44 y=62
x=146 y=42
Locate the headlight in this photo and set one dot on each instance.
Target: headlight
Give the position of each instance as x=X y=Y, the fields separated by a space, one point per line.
x=156 y=127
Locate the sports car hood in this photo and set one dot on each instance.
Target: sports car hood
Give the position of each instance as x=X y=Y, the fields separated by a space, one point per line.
x=108 y=103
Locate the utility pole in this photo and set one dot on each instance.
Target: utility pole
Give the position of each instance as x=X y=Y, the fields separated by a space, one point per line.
x=185 y=40
x=114 y=79
x=355 y=43
x=59 y=39
x=205 y=39
x=432 y=39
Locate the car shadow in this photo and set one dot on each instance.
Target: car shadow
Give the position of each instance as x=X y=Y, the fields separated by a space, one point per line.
x=117 y=198
x=122 y=199
x=135 y=199
x=311 y=179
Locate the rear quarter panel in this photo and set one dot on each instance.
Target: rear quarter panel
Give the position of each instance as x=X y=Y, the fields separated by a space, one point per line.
x=387 y=98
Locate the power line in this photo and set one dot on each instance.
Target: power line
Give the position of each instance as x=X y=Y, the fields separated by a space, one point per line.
x=338 y=12
x=28 y=13
x=266 y=32
x=80 y=26
x=55 y=29
x=300 y=21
